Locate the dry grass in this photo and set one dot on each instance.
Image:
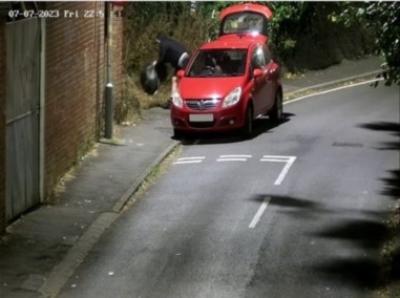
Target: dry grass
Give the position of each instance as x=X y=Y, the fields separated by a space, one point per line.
x=144 y=21
x=160 y=98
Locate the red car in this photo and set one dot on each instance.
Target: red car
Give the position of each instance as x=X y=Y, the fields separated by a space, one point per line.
x=232 y=80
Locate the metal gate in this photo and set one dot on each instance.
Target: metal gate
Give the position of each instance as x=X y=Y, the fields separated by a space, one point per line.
x=22 y=114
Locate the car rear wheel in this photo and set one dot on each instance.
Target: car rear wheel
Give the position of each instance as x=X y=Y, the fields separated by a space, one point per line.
x=248 y=126
x=276 y=113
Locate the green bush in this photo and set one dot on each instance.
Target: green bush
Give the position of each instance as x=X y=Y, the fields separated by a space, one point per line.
x=309 y=35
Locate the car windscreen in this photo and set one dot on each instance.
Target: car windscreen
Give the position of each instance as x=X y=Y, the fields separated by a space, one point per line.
x=218 y=63
x=243 y=22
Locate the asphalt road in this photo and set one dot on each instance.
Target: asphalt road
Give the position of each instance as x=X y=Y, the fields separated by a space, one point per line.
x=298 y=214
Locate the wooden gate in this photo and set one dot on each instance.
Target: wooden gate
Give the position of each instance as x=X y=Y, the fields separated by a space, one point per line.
x=22 y=114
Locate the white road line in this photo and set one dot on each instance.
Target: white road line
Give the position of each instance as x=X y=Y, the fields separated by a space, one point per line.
x=332 y=90
x=236 y=155
x=186 y=162
x=191 y=158
x=285 y=157
x=231 y=159
x=285 y=170
x=273 y=160
x=259 y=213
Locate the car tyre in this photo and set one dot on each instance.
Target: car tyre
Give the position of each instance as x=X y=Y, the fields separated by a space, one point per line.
x=248 y=125
x=276 y=113
x=178 y=134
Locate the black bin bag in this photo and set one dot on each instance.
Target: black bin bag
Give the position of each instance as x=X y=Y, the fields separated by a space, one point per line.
x=149 y=79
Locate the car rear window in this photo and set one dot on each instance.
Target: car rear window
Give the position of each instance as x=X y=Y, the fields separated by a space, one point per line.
x=218 y=63
x=243 y=22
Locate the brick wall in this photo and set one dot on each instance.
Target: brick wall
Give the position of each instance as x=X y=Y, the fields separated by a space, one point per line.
x=74 y=87
x=2 y=126
x=75 y=81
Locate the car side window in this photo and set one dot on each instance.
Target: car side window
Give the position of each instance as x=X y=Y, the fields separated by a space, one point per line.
x=258 y=58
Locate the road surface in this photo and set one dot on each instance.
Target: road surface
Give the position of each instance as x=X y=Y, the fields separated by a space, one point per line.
x=297 y=211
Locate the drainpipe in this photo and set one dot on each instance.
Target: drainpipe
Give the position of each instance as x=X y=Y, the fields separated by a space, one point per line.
x=109 y=102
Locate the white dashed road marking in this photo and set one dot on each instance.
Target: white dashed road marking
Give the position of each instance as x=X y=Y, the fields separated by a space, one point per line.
x=289 y=160
x=192 y=158
x=279 y=158
x=234 y=157
x=259 y=213
x=188 y=160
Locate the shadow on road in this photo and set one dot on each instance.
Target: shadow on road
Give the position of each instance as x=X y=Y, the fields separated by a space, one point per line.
x=261 y=126
x=391 y=189
x=383 y=126
x=368 y=234
x=285 y=201
x=391 y=127
x=391 y=182
x=361 y=232
x=360 y=272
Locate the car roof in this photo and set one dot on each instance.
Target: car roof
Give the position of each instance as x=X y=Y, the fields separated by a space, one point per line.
x=247 y=7
x=234 y=41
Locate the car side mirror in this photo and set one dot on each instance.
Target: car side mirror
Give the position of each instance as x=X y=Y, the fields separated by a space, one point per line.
x=257 y=73
x=180 y=74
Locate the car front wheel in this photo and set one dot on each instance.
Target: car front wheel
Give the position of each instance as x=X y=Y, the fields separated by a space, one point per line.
x=178 y=134
x=276 y=113
x=248 y=125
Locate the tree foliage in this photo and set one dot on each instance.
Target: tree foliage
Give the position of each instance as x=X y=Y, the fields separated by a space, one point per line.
x=309 y=35
x=384 y=19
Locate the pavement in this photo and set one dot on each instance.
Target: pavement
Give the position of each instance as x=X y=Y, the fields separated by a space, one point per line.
x=41 y=250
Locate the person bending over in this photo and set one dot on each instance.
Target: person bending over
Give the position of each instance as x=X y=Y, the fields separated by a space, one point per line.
x=172 y=52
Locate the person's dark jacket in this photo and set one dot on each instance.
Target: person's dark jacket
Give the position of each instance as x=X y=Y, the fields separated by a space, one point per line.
x=170 y=51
